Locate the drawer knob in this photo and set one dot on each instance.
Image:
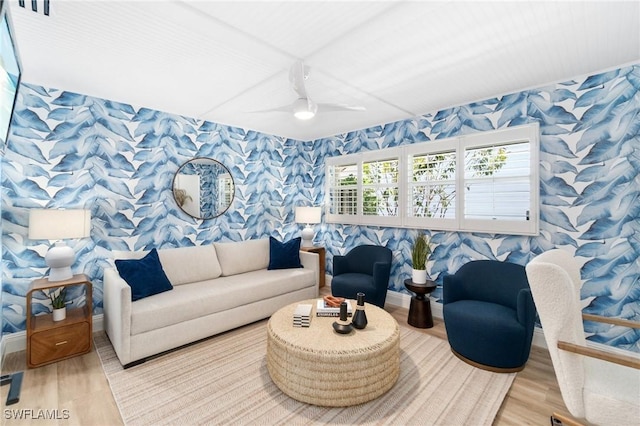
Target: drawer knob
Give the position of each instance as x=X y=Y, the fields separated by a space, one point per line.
x=64 y=342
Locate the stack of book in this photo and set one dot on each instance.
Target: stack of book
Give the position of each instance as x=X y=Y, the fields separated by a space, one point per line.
x=302 y=315
x=324 y=310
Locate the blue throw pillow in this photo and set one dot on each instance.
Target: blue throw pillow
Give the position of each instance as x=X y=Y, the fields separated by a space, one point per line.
x=284 y=255
x=145 y=276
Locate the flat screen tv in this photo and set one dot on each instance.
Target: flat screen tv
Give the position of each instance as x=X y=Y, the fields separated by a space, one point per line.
x=10 y=72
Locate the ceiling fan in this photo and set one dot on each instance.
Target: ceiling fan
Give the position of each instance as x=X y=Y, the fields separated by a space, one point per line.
x=304 y=108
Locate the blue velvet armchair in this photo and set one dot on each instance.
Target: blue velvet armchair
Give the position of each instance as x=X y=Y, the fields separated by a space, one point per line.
x=489 y=314
x=365 y=269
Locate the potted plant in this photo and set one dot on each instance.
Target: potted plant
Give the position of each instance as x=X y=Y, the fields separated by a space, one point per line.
x=58 y=304
x=419 y=255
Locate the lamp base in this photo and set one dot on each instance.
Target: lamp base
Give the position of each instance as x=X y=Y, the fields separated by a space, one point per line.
x=59 y=259
x=307 y=237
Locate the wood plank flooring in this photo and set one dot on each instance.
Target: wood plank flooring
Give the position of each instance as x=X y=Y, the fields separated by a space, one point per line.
x=79 y=386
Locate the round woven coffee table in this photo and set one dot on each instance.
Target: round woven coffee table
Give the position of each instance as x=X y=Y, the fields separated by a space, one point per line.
x=318 y=366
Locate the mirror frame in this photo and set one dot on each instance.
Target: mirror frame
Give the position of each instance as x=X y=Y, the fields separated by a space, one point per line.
x=196 y=160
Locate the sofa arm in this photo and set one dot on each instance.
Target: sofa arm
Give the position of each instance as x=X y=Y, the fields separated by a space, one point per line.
x=311 y=261
x=340 y=265
x=526 y=308
x=117 y=313
x=381 y=273
x=453 y=289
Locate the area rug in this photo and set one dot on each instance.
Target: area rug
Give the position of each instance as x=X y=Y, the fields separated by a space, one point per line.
x=224 y=380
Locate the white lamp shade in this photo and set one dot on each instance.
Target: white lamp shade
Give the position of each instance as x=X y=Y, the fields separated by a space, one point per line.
x=50 y=224
x=308 y=214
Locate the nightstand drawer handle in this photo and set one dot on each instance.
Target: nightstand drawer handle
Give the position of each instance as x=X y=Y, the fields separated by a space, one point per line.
x=64 y=342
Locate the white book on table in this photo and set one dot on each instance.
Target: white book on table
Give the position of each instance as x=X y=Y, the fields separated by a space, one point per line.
x=303 y=310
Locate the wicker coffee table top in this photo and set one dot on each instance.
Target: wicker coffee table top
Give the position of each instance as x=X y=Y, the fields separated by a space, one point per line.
x=319 y=366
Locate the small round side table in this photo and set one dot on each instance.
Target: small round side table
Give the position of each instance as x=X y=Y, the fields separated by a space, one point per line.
x=420 y=307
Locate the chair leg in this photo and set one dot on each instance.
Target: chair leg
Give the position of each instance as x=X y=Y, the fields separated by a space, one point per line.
x=15 y=383
x=558 y=419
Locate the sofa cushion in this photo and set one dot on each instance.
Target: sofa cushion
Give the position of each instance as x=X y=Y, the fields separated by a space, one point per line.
x=284 y=255
x=244 y=256
x=182 y=265
x=190 y=301
x=185 y=265
x=145 y=276
x=122 y=254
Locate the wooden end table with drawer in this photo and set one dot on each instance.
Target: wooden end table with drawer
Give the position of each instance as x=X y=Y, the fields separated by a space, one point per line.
x=50 y=341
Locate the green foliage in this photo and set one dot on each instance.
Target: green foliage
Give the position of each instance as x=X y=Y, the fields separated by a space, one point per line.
x=420 y=252
x=433 y=191
x=379 y=193
x=58 y=302
x=487 y=161
x=437 y=171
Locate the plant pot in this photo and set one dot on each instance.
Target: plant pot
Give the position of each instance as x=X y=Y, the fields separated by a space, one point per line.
x=59 y=314
x=419 y=276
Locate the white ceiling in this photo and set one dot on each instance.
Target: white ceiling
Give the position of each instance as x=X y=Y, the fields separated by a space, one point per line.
x=221 y=61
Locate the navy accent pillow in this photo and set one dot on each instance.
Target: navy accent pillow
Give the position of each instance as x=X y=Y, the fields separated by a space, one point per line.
x=145 y=276
x=284 y=255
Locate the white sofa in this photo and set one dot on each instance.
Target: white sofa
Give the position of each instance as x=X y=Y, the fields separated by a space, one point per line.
x=216 y=287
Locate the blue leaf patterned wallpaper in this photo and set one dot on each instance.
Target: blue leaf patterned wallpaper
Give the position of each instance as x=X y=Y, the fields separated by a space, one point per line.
x=589 y=190
x=71 y=150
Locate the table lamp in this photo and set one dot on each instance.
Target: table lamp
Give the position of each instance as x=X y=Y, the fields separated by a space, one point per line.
x=57 y=225
x=308 y=216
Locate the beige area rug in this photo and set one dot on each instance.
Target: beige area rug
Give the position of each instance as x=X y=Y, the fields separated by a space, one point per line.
x=224 y=380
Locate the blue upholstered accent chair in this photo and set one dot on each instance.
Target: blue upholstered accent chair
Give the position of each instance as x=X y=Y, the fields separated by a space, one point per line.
x=489 y=314
x=364 y=269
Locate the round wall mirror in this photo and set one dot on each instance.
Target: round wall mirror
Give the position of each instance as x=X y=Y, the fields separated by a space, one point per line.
x=203 y=188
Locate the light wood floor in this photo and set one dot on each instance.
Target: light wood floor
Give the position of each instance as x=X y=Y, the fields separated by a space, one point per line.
x=79 y=386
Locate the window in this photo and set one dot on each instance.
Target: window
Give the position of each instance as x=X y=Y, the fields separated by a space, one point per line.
x=501 y=181
x=364 y=188
x=497 y=182
x=431 y=185
x=485 y=182
x=380 y=187
x=343 y=192
x=225 y=192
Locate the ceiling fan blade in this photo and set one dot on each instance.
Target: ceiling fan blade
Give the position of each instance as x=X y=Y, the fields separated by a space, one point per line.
x=304 y=108
x=339 y=107
x=297 y=75
x=283 y=108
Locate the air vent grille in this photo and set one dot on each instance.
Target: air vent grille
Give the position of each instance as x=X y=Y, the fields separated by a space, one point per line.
x=34 y=6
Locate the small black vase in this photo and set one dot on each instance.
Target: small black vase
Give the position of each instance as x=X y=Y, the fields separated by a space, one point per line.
x=342 y=326
x=359 y=317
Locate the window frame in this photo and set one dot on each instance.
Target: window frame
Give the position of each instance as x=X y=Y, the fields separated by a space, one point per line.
x=503 y=137
x=359 y=159
x=429 y=148
x=380 y=158
x=344 y=160
x=404 y=155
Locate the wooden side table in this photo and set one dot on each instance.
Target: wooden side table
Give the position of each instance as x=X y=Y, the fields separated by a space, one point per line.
x=420 y=307
x=321 y=261
x=49 y=341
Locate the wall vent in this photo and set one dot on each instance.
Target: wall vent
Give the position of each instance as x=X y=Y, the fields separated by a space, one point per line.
x=34 y=6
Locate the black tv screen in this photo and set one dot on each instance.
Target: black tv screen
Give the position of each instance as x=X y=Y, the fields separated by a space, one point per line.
x=10 y=72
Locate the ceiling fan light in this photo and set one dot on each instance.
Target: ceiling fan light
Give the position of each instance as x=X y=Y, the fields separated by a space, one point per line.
x=304 y=109
x=303 y=115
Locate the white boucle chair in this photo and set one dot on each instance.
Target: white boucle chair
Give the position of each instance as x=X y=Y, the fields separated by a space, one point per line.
x=600 y=386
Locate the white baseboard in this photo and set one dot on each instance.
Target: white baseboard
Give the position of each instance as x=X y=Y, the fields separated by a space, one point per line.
x=16 y=342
